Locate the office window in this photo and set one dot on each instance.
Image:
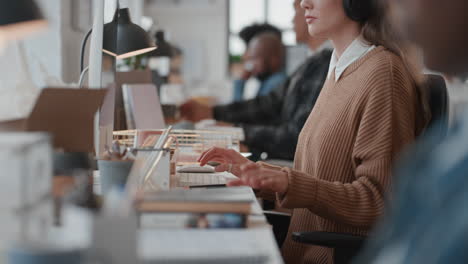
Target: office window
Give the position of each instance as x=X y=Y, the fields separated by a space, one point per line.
x=246 y=12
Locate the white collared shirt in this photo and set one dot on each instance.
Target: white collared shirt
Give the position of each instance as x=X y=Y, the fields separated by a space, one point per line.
x=356 y=50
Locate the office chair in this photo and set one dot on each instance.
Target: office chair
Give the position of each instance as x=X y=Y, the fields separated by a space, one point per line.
x=347 y=246
x=438 y=100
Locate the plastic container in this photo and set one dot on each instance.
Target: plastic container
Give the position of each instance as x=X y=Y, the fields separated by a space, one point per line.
x=113 y=174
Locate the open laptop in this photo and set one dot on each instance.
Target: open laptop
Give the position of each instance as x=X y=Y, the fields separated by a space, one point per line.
x=142 y=106
x=66 y=114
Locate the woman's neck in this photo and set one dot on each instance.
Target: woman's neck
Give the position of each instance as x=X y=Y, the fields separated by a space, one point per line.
x=344 y=37
x=315 y=43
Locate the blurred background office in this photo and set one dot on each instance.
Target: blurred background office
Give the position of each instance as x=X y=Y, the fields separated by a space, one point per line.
x=200 y=50
x=205 y=55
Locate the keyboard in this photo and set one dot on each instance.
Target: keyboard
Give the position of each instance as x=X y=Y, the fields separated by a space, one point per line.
x=195 y=169
x=197 y=179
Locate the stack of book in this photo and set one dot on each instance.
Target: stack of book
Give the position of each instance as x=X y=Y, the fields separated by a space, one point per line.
x=217 y=200
x=197 y=208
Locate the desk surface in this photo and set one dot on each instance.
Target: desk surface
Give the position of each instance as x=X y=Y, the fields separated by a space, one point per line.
x=257 y=226
x=207 y=245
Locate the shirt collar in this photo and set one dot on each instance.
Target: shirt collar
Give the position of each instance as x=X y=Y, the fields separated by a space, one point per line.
x=357 y=49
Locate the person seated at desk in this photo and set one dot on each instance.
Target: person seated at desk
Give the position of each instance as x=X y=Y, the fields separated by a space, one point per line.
x=427 y=220
x=247 y=34
x=369 y=109
x=250 y=32
x=272 y=123
x=263 y=60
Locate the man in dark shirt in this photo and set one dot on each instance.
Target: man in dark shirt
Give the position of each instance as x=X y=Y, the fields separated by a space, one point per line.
x=272 y=123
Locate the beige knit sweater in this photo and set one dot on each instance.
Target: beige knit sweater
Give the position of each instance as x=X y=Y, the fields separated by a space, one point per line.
x=346 y=149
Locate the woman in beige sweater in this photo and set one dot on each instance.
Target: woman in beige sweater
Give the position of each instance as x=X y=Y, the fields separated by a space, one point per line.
x=364 y=116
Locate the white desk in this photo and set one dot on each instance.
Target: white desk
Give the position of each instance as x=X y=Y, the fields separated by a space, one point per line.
x=258 y=228
x=193 y=243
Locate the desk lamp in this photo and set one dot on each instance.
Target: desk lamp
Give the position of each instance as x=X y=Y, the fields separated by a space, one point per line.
x=19 y=18
x=160 y=59
x=121 y=38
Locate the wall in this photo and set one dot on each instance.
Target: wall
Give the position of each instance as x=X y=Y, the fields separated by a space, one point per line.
x=71 y=36
x=52 y=57
x=21 y=77
x=199 y=27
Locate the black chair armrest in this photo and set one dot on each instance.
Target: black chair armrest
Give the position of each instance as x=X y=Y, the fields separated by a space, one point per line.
x=346 y=246
x=280 y=223
x=330 y=240
x=274 y=215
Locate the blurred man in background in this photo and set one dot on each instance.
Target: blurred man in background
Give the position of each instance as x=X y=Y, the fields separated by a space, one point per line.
x=263 y=60
x=250 y=32
x=272 y=123
x=247 y=34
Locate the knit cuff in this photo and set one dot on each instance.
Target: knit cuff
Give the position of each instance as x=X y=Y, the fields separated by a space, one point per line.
x=265 y=194
x=301 y=193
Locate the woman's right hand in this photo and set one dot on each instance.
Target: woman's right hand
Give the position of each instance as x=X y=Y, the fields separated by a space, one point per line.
x=230 y=160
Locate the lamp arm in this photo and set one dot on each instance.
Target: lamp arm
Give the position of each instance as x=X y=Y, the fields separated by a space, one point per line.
x=83 y=49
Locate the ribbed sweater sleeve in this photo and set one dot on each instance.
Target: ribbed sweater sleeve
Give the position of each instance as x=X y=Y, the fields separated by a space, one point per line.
x=385 y=124
x=266 y=194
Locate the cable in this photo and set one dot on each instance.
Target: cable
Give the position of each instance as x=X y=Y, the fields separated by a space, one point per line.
x=83 y=49
x=83 y=74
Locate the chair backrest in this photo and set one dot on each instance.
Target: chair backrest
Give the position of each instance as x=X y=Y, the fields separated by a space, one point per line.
x=437 y=97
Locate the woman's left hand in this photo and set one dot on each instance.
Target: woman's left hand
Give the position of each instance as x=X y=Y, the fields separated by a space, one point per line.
x=259 y=177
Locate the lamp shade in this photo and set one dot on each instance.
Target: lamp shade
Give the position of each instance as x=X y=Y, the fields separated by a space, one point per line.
x=124 y=39
x=19 y=18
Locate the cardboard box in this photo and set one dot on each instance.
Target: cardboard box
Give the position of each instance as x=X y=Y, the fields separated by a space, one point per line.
x=67 y=114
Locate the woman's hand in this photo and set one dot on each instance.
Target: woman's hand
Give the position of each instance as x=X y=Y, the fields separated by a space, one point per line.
x=230 y=160
x=259 y=177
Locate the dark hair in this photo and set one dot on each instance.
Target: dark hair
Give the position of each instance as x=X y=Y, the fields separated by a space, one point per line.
x=250 y=32
x=377 y=30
